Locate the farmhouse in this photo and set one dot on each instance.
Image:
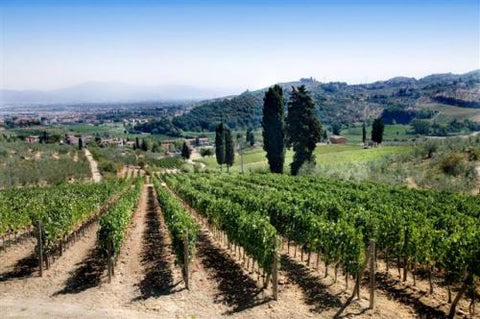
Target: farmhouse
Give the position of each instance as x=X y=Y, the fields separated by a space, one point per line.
x=337 y=139
x=112 y=141
x=32 y=139
x=72 y=140
x=168 y=144
x=203 y=141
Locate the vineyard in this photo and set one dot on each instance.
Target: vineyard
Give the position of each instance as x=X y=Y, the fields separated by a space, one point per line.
x=435 y=232
x=256 y=245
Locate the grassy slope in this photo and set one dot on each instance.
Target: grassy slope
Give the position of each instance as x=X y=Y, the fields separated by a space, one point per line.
x=325 y=155
x=449 y=112
x=396 y=132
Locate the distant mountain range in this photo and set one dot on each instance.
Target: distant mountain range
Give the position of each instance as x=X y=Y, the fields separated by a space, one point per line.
x=343 y=103
x=91 y=92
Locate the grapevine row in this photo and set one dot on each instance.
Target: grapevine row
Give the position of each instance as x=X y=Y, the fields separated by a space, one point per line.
x=114 y=222
x=417 y=227
x=338 y=242
x=61 y=209
x=252 y=231
x=179 y=223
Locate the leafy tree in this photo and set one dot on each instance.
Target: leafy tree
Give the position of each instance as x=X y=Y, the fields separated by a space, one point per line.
x=220 y=144
x=377 y=130
x=186 y=152
x=161 y=126
x=229 y=148
x=364 y=133
x=273 y=124
x=421 y=127
x=156 y=148
x=97 y=142
x=303 y=128
x=206 y=152
x=80 y=143
x=336 y=128
x=325 y=136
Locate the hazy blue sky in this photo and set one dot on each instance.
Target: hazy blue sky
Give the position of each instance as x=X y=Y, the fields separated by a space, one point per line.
x=232 y=44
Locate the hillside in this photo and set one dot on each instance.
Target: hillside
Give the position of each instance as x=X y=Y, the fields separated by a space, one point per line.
x=340 y=102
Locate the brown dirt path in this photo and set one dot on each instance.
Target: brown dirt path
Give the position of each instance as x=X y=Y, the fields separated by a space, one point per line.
x=30 y=285
x=18 y=260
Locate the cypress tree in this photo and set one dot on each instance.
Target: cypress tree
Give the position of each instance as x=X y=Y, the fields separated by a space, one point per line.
x=185 y=151
x=137 y=143
x=377 y=130
x=273 y=124
x=240 y=150
x=220 y=144
x=250 y=137
x=364 y=133
x=303 y=128
x=80 y=143
x=229 y=149
x=144 y=145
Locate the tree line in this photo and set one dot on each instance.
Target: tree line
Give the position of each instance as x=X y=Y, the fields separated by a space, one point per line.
x=300 y=130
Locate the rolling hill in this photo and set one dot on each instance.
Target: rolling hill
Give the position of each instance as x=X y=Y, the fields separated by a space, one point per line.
x=339 y=102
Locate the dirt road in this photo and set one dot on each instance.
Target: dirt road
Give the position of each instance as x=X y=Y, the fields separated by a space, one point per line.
x=96 y=176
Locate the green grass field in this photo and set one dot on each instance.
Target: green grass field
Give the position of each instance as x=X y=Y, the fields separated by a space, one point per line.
x=392 y=133
x=325 y=155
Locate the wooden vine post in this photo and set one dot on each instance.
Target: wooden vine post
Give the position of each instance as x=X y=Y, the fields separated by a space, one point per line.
x=40 y=246
x=185 y=259
x=275 y=275
x=110 y=260
x=372 y=274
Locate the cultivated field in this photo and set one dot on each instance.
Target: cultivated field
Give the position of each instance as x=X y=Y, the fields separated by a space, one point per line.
x=244 y=246
x=41 y=164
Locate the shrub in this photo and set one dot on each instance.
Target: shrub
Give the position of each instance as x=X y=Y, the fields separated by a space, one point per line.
x=141 y=163
x=452 y=164
x=107 y=166
x=473 y=154
x=206 y=152
x=430 y=148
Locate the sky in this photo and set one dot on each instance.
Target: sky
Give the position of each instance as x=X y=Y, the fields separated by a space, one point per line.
x=232 y=45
